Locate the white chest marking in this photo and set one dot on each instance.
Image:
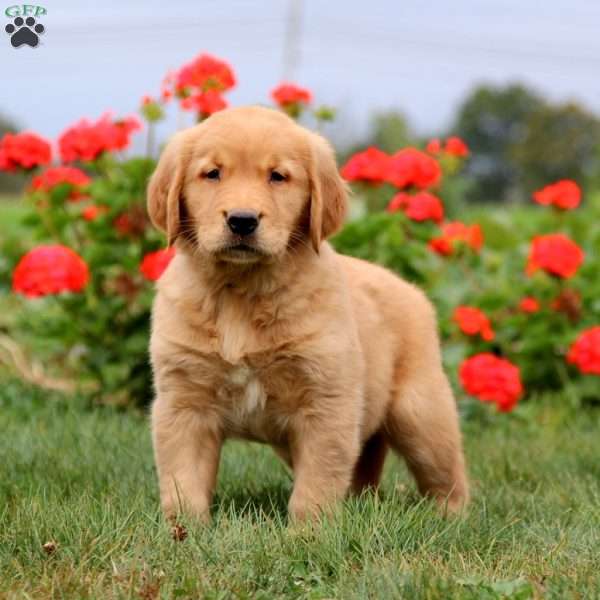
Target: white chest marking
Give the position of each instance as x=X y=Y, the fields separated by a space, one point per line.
x=251 y=397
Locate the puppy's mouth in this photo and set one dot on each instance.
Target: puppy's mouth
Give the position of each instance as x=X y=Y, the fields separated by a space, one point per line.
x=240 y=253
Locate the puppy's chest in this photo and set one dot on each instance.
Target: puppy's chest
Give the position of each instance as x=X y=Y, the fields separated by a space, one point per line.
x=258 y=374
x=244 y=398
x=257 y=403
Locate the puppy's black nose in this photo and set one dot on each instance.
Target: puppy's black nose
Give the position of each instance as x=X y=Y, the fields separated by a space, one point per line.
x=242 y=222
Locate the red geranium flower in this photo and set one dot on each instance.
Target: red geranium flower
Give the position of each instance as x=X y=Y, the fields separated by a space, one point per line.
x=93 y=211
x=556 y=254
x=50 y=270
x=454 y=234
x=25 y=150
x=154 y=263
x=585 y=351
x=529 y=305
x=205 y=72
x=565 y=194
x=434 y=146
x=289 y=93
x=420 y=207
x=118 y=133
x=86 y=140
x=412 y=167
x=82 y=141
x=205 y=103
x=492 y=379
x=456 y=147
x=48 y=179
x=371 y=165
x=473 y=321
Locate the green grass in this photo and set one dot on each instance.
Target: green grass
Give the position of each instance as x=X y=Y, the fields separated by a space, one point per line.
x=84 y=479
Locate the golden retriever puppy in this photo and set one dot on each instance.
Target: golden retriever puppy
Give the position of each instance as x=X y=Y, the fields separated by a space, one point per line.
x=261 y=331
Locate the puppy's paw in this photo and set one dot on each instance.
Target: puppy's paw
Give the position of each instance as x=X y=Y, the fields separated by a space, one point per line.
x=301 y=510
x=175 y=515
x=454 y=505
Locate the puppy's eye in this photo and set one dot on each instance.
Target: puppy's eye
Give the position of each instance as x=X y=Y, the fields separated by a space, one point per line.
x=277 y=177
x=214 y=174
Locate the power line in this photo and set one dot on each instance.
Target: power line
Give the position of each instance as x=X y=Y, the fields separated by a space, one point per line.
x=365 y=39
x=334 y=35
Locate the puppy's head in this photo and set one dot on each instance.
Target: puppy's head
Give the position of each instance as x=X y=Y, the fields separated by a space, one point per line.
x=246 y=185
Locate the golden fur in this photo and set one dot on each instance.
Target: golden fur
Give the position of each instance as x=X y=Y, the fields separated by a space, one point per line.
x=327 y=358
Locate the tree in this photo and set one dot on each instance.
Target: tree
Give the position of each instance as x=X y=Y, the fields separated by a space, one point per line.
x=559 y=142
x=493 y=121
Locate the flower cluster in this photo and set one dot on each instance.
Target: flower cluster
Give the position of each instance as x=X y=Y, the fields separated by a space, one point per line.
x=492 y=379
x=473 y=321
x=23 y=150
x=406 y=168
x=84 y=141
x=93 y=211
x=412 y=168
x=509 y=315
x=529 y=305
x=205 y=103
x=50 y=270
x=370 y=165
x=288 y=93
x=87 y=140
x=556 y=254
x=456 y=235
x=415 y=173
x=489 y=376
x=585 y=351
x=50 y=178
x=201 y=83
x=423 y=206
x=564 y=194
x=205 y=72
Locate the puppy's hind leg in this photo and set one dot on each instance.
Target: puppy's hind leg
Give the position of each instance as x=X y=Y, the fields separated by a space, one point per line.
x=422 y=425
x=368 y=469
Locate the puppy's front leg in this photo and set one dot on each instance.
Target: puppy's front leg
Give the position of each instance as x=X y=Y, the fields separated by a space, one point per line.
x=324 y=452
x=187 y=447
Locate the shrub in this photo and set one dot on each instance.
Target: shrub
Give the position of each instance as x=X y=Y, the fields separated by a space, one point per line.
x=517 y=292
x=86 y=289
x=521 y=284
x=100 y=234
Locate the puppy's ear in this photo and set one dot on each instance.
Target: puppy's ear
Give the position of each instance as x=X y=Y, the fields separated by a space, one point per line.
x=328 y=192
x=165 y=187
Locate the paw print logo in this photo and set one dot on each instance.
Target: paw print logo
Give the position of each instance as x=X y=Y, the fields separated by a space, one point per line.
x=24 y=31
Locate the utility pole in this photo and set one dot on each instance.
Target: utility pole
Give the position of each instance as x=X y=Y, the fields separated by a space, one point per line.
x=291 y=42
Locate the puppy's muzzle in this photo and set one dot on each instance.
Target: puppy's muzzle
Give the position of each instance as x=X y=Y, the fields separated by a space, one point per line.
x=242 y=222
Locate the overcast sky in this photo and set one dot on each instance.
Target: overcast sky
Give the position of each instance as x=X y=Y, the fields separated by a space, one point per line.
x=420 y=57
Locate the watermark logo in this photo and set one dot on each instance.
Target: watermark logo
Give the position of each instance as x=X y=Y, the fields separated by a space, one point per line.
x=25 y=29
